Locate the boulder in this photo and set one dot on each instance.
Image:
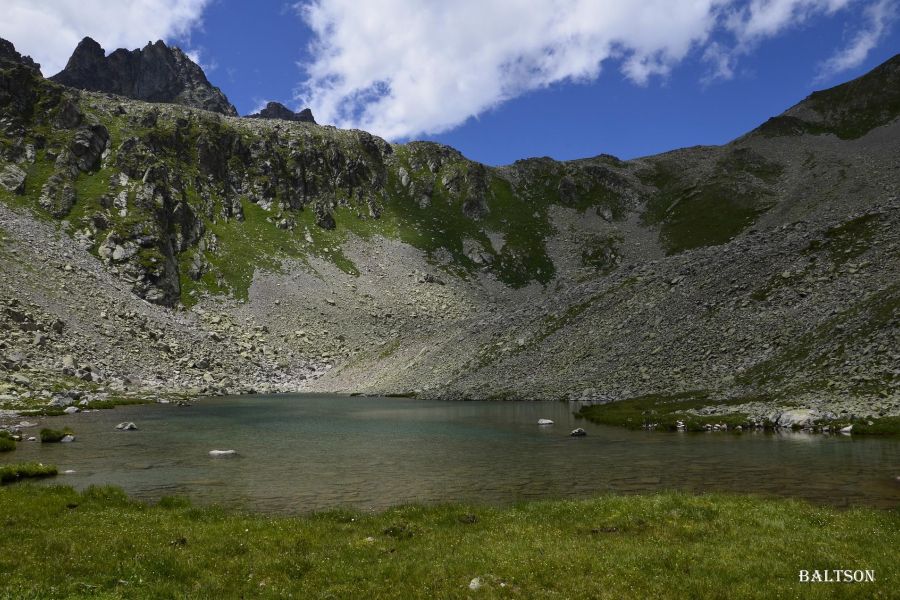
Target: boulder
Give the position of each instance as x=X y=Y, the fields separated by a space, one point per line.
x=12 y=179
x=545 y=422
x=126 y=426
x=579 y=432
x=802 y=417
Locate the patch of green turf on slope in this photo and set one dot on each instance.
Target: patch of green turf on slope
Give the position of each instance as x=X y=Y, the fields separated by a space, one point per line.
x=848 y=240
x=19 y=471
x=692 y=215
x=441 y=228
x=655 y=546
x=854 y=108
x=662 y=410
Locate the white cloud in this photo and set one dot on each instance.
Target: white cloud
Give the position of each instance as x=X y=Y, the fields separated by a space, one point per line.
x=403 y=68
x=879 y=17
x=49 y=30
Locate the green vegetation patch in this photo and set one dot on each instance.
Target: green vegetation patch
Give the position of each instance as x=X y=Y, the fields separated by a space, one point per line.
x=19 y=471
x=692 y=215
x=52 y=436
x=853 y=109
x=663 y=412
x=7 y=443
x=653 y=546
x=848 y=240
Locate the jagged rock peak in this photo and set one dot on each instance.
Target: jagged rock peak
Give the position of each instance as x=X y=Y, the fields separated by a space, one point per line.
x=9 y=57
x=156 y=73
x=276 y=110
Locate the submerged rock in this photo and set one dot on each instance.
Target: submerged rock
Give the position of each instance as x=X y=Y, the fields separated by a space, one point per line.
x=545 y=422
x=126 y=426
x=579 y=432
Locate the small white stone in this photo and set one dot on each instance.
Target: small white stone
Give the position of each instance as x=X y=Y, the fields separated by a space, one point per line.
x=222 y=452
x=475 y=584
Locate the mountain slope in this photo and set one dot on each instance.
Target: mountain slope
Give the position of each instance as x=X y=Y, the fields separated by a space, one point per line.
x=760 y=273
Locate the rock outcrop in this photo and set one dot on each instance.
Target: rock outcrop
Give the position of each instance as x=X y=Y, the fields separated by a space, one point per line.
x=156 y=73
x=10 y=57
x=276 y=110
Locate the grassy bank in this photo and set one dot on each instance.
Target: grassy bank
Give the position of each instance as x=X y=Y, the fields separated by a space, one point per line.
x=668 y=545
x=665 y=412
x=19 y=471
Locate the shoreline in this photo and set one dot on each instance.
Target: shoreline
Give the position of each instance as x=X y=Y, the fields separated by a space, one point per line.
x=631 y=416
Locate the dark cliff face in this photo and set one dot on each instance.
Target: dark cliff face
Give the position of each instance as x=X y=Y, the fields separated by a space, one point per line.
x=9 y=57
x=276 y=110
x=156 y=73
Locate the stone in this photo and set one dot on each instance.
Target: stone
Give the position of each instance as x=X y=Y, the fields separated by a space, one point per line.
x=71 y=410
x=579 y=432
x=12 y=179
x=545 y=422
x=67 y=439
x=797 y=418
x=475 y=584
x=217 y=453
x=126 y=426
x=847 y=429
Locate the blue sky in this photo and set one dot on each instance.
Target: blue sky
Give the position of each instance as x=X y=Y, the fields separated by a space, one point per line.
x=495 y=80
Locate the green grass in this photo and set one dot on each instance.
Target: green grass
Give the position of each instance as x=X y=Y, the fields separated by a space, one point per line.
x=662 y=410
x=7 y=444
x=17 y=472
x=655 y=546
x=51 y=436
x=847 y=240
x=696 y=214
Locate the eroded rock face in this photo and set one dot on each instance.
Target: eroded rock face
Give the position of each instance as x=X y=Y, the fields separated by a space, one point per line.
x=156 y=73
x=10 y=57
x=276 y=110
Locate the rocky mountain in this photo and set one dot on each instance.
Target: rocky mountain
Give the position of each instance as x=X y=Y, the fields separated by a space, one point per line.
x=276 y=110
x=9 y=57
x=170 y=249
x=156 y=73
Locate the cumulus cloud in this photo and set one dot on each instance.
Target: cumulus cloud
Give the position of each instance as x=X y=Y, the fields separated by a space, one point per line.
x=403 y=68
x=879 y=17
x=48 y=30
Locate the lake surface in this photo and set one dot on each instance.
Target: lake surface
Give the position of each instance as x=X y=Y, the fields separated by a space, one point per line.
x=303 y=452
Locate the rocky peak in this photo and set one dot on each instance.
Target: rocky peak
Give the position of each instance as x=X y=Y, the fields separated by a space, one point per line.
x=276 y=110
x=10 y=57
x=156 y=73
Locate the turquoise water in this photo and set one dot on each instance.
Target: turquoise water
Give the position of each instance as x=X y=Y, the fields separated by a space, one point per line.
x=302 y=452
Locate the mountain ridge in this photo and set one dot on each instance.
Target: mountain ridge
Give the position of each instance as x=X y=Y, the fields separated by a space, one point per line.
x=749 y=274
x=155 y=73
